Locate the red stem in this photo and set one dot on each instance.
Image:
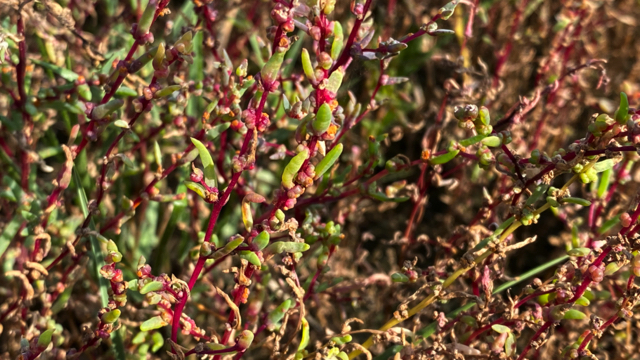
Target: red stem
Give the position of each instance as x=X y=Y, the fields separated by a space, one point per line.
x=505 y=55
x=346 y=51
x=479 y=331
x=535 y=337
x=21 y=68
x=213 y=218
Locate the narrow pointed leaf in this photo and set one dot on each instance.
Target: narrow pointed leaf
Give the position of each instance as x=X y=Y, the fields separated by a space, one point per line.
x=327 y=162
x=152 y=286
x=154 y=323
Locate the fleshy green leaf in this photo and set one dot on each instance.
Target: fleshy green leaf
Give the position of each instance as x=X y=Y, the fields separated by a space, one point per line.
x=62 y=72
x=291 y=170
x=251 y=257
x=622 y=114
x=338 y=40
x=261 y=240
x=228 y=248
x=307 y=67
x=111 y=317
x=323 y=119
x=472 y=140
x=444 y=158
x=197 y=188
x=335 y=80
x=166 y=91
x=286 y=246
x=304 y=338
x=270 y=70
x=207 y=162
x=573 y=314
x=214 y=132
x=45 y=338
x=604 y=165
x=492 y=141
x=576 y=200
x=155 y=322
x=579 y=252
x=327 y=162
x=152 y=286
x=500 y=329
x=398 y=277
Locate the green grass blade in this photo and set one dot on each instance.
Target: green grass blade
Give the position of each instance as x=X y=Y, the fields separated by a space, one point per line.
x=179 y=207
x=9 y=232
x=253 y=41
x=148 y=238
x=98 y=260
x=293 y=54
x=431 y=328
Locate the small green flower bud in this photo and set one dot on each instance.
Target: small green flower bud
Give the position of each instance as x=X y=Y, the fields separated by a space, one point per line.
x=325 y=61
x=484 y=130
x=577 y=168
x=466 y=113
x=535 y=157
x=205 y=249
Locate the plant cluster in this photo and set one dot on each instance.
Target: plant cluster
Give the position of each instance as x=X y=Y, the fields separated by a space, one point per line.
x=275 y=179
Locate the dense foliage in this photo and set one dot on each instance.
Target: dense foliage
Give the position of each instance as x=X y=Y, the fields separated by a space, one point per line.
x=319 y=179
